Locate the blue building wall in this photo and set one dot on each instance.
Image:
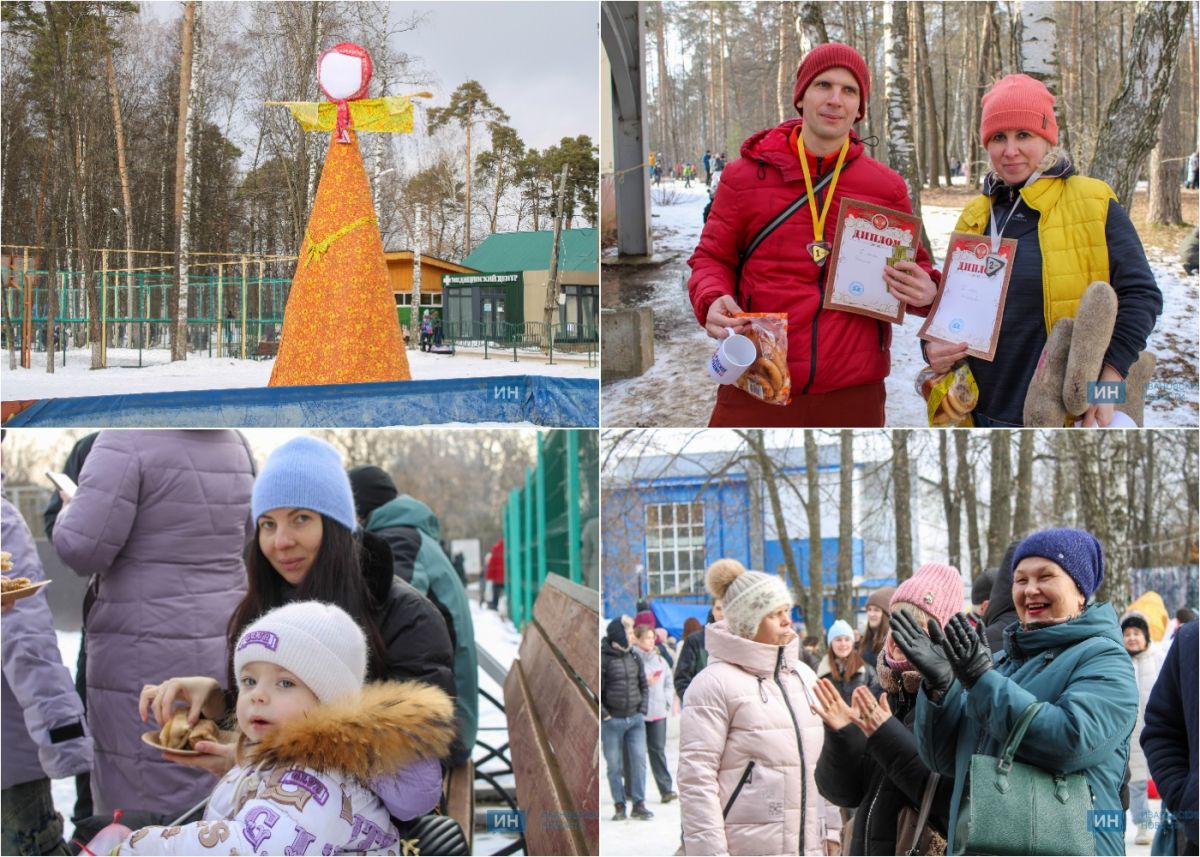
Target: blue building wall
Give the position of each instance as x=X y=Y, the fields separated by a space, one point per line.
x=726 y=530
x=726 y=534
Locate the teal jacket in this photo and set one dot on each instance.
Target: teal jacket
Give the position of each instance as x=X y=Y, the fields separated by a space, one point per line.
x=1081 y=669
x=432 y=571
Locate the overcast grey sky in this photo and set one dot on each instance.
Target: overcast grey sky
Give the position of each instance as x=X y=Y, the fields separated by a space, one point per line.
x=539 y=61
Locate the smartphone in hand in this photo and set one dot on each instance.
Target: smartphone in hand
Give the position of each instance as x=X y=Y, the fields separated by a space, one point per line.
x=62 y=482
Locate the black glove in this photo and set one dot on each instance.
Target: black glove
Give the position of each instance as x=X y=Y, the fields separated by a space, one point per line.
x=967 y=649
x=925 y=652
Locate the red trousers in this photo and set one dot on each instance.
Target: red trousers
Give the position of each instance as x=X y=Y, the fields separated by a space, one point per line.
x=849 y=407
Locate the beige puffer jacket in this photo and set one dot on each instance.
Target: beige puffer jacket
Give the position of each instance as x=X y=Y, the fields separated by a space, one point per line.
x=744 y=784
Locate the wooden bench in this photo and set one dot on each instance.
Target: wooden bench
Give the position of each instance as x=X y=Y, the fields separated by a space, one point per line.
x=458 y=798
x=266 y=348
x=551 y=699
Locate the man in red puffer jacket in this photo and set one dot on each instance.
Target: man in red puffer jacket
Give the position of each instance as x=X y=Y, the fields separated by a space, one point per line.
x=837 y=360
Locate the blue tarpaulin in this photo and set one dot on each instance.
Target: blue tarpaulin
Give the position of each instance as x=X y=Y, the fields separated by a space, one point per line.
x=539 y=399
x=672 y=614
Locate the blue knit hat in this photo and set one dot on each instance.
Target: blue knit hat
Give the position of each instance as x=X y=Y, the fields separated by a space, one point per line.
x=1077 y=551
x=305 y=473
x=840 y=628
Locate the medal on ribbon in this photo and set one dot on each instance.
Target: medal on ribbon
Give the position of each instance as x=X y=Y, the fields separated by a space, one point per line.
x=819 y=248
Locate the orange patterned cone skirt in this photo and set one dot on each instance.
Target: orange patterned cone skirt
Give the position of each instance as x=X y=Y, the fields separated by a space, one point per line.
x=340 y=324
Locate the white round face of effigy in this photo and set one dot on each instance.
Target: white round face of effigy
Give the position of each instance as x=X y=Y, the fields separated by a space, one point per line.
x=343 y=75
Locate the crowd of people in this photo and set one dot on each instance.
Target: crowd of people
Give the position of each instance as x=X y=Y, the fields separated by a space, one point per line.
x=307 y=610
x=863 y=741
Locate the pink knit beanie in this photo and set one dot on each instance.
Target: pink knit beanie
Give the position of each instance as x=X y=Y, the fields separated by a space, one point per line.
x=1018 y=101
x=827 y=56
x=935 y=589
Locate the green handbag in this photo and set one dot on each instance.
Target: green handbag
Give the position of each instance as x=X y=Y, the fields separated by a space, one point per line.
x=1012 y=808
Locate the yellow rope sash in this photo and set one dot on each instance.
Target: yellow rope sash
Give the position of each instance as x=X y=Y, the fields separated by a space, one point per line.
x=317 y=249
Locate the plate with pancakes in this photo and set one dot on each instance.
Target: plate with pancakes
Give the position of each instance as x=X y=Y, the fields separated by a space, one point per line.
x=16 y=588
x=177 y=736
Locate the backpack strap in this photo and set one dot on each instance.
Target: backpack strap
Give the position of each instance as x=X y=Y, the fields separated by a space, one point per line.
x=773 y=224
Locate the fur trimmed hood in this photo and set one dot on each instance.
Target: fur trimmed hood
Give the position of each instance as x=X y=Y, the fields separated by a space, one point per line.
x=385 y=727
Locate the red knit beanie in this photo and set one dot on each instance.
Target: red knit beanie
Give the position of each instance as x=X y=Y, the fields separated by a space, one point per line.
x=827 y=56
x=1018 y=101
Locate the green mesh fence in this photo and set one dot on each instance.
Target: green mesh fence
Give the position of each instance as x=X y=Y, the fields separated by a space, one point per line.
x=544 y=520
x=225 y=315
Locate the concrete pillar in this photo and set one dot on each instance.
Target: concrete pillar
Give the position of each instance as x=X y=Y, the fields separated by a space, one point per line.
x=622 y=32
x=627 y=346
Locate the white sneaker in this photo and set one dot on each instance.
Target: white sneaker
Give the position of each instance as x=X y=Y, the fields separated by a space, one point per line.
x=1144 y=835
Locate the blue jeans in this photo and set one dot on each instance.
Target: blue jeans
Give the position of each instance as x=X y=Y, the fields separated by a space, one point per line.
x=31 y=824
x=628 y=732
x=1139 y=801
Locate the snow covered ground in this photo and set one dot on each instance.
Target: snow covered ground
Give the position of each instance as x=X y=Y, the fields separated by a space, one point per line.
x=493 y=632
x=210 y=373
x=656 y=836
x=661 y=834
x=676 y=390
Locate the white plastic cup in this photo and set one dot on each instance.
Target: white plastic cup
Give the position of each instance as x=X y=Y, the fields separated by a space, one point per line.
x=733 y=356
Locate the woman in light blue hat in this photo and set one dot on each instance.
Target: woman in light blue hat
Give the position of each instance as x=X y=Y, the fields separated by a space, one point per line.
x=308 y=547
x=843 y=665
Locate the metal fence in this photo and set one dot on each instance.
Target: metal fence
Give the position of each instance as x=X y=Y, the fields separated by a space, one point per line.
x=544 y=521
x=226 y=314
x=529 y=336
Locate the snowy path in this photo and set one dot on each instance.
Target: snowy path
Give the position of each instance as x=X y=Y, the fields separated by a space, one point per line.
x=657 y=836
x=676 y=391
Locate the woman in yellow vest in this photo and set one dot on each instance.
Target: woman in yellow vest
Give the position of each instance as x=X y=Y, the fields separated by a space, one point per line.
x=1070 y=231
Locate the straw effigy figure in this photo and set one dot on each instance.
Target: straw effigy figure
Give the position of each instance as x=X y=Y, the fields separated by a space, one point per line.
x=340 y=324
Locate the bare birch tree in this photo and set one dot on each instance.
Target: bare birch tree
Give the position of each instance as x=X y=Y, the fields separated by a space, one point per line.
x=1130 y=128
x=1038 y=43
x=183 y=128
x=1000 y=513
x=813 y=603
x=965 y=479
x=902 y=504
x=845 y=558
x=1166 y=160
x=951 y=504
x=902 y=154
x=1023 y=505
x=126 y=199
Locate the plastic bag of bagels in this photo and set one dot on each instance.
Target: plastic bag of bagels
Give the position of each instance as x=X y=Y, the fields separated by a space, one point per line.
x=768 y=378
x=949 y=398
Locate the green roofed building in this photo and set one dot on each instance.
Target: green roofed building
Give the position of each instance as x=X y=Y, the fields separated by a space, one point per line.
x=508 y=297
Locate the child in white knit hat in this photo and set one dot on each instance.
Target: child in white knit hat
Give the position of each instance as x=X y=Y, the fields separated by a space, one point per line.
x=311 y=736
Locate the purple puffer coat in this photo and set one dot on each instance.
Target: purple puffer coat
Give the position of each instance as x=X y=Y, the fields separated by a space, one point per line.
x=39 y=696
x=161 y=518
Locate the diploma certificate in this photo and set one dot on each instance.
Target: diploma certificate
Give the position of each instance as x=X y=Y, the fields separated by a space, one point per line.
x=869 y=237
x=970 y=302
